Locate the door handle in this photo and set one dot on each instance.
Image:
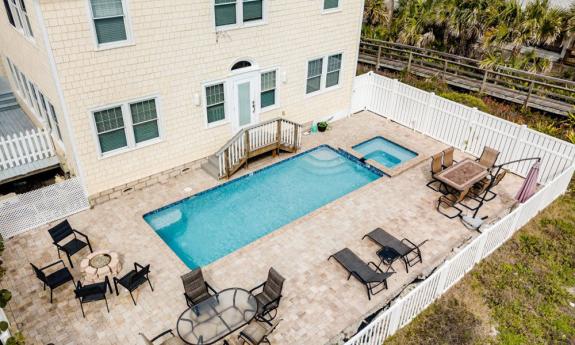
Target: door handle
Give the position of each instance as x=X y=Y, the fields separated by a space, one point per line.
x=253 y=107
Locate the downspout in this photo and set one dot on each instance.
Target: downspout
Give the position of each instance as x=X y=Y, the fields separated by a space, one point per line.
x=65 y=113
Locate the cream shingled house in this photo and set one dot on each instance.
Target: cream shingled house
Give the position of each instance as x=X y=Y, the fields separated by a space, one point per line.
x=137 y=88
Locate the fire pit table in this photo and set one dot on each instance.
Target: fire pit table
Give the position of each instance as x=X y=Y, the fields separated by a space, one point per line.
x=100 y=264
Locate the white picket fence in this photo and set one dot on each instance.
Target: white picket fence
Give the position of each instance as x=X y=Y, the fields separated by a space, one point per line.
x=25 y=147
x=468 y=130
x=30 y=210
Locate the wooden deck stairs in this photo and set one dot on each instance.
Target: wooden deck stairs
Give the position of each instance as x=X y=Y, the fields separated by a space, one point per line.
x=268 y=136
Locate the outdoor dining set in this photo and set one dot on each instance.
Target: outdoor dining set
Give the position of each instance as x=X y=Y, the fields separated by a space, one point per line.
x=210 y=316
x=468 y=183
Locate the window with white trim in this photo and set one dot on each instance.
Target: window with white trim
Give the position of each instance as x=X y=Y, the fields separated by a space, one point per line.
x=215 y=103
x=330 y=5
x=323 y=73
x=126 y=125
x=109 y=21
x=54 y=118
x=238 y=12
x=268 y=90
x=18 y=16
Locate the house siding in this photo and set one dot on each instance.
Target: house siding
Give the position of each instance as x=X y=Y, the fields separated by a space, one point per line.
x=175 y=51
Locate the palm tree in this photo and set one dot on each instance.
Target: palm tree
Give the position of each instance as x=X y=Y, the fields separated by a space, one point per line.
x=375 y=13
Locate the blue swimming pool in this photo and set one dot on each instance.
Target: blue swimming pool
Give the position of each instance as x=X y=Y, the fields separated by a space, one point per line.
x=385 y=152
x=214 y=223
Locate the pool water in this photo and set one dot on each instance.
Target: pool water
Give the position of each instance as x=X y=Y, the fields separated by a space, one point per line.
x=385 y=152
x=214 y=223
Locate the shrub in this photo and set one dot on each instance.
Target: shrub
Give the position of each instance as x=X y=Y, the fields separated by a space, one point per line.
x=463 y=98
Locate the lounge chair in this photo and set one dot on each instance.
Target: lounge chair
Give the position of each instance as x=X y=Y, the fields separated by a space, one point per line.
x=92 y=293
x=488 y=157
x=257 y=332
x=436 y=168
x=270 y=296
x=173 y=340
x=54 y=279
x=450 y=201
x=63 y=231
x=372 y=278
x=448 y=157
x=393 y=248
x=196 y=289
x=133 y=279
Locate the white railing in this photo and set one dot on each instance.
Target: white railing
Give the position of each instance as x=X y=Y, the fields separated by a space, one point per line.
x=25 y=147
x=469 y=130
x=253 y=138
x=30 y=210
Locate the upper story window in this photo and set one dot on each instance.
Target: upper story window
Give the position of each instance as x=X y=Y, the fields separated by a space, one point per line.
x=109 y=21
x=323 y=73
x=329 y=5
x=236 y=13
x=241 y=64
x=18 y=16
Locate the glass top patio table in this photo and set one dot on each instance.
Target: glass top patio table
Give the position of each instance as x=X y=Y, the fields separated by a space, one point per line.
x=217 y=317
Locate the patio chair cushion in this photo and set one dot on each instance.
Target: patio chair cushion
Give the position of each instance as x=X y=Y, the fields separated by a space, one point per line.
x=255 y=333
x=274 y=284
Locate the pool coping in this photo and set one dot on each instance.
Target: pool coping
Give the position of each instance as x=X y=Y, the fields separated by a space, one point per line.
x=343 y=153
x=391 y=172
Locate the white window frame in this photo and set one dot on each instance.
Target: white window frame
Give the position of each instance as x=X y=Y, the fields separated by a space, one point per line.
x=226 y=118
x=240 y=17
x=277 y=95
x=322 y=87
x=129 y=41
x=22 y=22
x=330 y=10
x=56 y=130
x=131 y=144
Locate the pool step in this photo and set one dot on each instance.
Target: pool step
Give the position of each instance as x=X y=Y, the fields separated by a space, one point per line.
x=212 y=167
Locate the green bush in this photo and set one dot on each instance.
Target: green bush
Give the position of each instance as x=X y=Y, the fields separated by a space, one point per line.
x=463 y=98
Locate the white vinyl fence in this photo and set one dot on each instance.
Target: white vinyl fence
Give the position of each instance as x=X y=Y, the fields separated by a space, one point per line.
x=30 y=210
x=25 y=147
x=469 y=130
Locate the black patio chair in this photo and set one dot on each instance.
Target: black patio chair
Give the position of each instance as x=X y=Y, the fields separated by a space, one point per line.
x=173 y=340
x=257 y=332
x=393 y=249
x=133 y=279
x=92 y=293
x=64 y=230
x=54 y=279
x=371 y=278
x=270 y=295
x=196 y=289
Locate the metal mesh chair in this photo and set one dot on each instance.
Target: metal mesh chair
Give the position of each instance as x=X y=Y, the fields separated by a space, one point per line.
x=63 y=231
x=436 y=168
x=488 y=157
x=270 y=295
x=196 y=289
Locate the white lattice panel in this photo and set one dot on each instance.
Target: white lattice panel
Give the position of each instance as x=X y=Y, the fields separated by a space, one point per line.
x=30 y=210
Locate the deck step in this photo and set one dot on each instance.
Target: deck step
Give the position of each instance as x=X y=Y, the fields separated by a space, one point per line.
x=6 y=95
x=212 y=169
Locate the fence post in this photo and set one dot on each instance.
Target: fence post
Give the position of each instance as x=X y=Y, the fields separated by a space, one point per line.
x=431 y=100
x=529 y=94
x=409 y=61
x=470 y=124
x=480 y=247
x=444 y=70
x=484 y=82
x=519 y=138
x=394 y=97
x=378 y=58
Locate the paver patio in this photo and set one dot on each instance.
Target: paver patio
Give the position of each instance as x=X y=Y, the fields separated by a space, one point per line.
x=318 y=303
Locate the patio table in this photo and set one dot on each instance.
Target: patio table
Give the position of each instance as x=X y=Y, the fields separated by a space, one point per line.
x=217 y=317
x=462 y=175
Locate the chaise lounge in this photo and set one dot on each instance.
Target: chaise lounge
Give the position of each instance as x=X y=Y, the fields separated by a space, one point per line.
x=374 y=279
x=393 y=249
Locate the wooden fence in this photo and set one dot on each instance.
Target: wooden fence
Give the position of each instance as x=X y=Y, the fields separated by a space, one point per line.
x=468 y=130
x=533 y=90
x=25 y=147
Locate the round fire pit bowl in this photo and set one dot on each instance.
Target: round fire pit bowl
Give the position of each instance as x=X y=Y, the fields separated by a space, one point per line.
x=100 y=264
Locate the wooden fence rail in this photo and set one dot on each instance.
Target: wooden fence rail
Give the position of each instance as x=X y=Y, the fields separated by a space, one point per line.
x=532 y=90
